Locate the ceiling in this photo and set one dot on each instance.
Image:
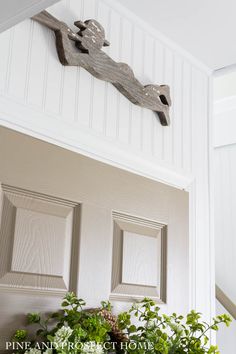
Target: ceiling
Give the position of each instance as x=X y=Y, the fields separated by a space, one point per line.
x=14 y=11
x=205 y=28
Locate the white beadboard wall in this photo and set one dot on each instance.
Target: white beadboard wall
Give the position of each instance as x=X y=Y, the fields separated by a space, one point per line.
x=225 y=230
x=224 y=181
x=70 y=108
x=225 y=216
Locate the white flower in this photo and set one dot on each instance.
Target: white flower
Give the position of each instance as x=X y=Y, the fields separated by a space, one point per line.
x=92 y=348
x=62 y=336
x=33 y=351
x=48 y=351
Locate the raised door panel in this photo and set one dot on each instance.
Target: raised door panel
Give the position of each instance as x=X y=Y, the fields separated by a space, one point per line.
x=36 y=235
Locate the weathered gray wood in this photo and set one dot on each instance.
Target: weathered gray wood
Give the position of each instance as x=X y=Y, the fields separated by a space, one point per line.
x=86 y=52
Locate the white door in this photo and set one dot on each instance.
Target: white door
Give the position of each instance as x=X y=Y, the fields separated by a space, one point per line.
x=72 y=223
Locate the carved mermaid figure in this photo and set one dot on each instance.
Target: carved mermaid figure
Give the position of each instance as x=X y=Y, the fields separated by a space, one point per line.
x=84 y=49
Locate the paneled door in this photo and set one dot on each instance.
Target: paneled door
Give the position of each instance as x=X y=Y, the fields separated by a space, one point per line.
x=68 y=222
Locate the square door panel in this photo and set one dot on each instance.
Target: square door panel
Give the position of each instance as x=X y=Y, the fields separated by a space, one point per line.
x=139 y=258
x=37 y=233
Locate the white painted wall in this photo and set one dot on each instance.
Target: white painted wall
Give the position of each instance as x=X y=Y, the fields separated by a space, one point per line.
x=68 y=107
x=225 y=216
x=224 y=124
x=224 y=85
x=224 y=180
x=226 y=339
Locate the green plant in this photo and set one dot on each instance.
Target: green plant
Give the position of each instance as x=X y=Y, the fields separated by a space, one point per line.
x=75 y=330
x=162 y=334
x=69 y=328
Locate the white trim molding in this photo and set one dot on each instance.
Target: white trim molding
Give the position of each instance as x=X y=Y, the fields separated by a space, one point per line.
x=45 y=127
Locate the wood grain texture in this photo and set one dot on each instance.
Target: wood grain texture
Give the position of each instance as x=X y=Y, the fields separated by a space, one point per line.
x=139 y=258
x=36 y=238
x=89 y=41
x=36 y=235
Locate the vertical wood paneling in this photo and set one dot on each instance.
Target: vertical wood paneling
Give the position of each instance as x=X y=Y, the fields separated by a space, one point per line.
x=167 y=151
x=124 y=104
x=187 y=117
x=138 y=60
x=55 y=72
x=119 y=50
x=18 y=70
x=36 y=66
x=148 y=117
x=72 y=74
x=9 y=51
x=68 y=94
x=85 y=80
x=177 y=121
x=92 y=94
x=53 y=79
x=31 y=35
x=99 y=101
x=158 y=77
x=112 y=95
x=5 y=42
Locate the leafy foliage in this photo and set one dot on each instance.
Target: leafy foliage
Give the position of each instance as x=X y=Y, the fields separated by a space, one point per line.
x=147 y=330
x=72 y=323
x=163 y=334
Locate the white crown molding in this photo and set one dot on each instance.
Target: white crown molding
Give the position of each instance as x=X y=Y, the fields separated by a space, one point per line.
x=18 y=117
x=224 y=71
x=25 y=12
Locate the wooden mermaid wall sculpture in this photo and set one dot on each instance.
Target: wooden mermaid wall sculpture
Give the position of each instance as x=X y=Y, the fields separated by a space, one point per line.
x=85 y=49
